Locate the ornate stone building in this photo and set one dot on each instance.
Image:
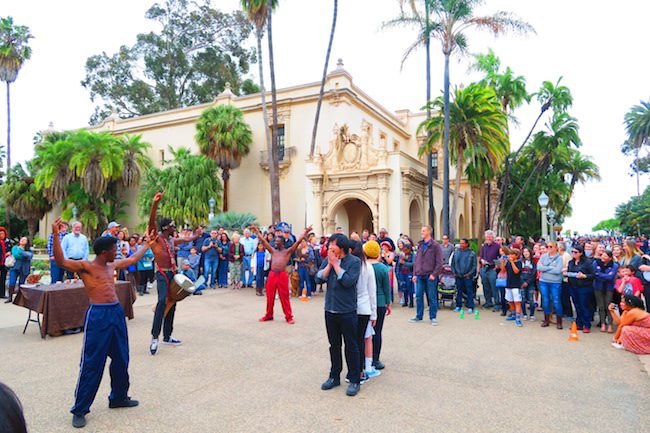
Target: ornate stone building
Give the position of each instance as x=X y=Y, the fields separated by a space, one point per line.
x=366 y=172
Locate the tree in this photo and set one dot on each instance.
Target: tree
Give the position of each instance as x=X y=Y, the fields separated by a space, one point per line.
x=412 y=16
x=274 y=157
x=14 y=52
x=258 y=12
x=322 y=83
x=224 y=136
x=609 y=225
x=24 y=199
x=232 y=221
x=89 y=170
x=637 y=126
x=452 y=19
x=189 y=181
x=189 y=61
x=478 y=136
x=634 y=214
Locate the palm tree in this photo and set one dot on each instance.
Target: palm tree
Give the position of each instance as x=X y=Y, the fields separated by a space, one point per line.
x=135 y=159
x=97 y=160
x=257 y=11
x=581 y=169
x=322 y=83
x=274 y=162
x=24 y=199
x=637 y=126
x=452 y=19
x=411 y=16
x=13 y=53
x=224 y=136
x=478 y=134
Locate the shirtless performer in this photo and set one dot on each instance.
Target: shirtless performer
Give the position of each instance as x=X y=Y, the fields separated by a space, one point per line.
x=278 y=278
x=165 y=271
x=105 y=326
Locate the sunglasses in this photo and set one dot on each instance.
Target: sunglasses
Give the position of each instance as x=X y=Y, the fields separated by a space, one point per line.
x=575 y=252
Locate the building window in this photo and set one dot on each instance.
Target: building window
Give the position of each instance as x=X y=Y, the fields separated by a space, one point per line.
x=281 y=143
x=162 y=156
x=434 y=165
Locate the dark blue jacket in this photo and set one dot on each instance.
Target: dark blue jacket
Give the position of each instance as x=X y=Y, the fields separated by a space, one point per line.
x=341 y=294
x=605 y=275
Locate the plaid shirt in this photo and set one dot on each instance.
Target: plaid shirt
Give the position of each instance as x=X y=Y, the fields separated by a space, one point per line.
x=50 y=243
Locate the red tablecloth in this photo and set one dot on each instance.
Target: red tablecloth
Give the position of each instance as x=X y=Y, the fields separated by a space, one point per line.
x=64 y=306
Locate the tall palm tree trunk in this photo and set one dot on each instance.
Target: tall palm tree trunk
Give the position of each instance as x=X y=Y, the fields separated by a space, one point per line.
x=427 y=43
x=225 y=175
x=454 y=207
x=638 y=185
x=7 y=213
x=322 y=83
x=265 y=112
x=274 y=177
x=445 y=154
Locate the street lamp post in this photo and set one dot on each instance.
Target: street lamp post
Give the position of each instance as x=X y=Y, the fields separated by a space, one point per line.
x=551 y=219
x=211 y=202
x=543 y=203
x=75 y=211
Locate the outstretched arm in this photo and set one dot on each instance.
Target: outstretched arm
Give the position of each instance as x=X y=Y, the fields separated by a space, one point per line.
x=154 y=209
x=297 y=243
x=256 y=230
x=125 y=263
x=70 y=265
x=182 y=240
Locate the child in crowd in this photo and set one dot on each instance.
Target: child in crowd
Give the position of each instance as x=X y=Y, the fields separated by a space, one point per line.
x=260 y=264
x=528 y=280
x=195 y=259
x=513 y=287
x=628 y=284
x=404 y=272
x=189 y=273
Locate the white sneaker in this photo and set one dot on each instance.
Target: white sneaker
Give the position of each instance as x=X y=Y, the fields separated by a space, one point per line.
x=149 y=286
x=617 y=345
x=154 y=346
x=434 y=322
x=173 y=342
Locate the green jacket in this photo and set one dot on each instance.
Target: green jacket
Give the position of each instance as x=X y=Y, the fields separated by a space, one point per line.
x=383 y=284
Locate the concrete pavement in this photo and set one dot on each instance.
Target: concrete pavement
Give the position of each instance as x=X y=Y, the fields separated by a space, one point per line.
x=233 y=374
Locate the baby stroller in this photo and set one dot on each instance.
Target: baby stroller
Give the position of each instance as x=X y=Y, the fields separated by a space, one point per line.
x=446 y=286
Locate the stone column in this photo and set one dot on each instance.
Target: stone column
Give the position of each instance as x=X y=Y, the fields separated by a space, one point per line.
x=317 y=190
x=382 y=186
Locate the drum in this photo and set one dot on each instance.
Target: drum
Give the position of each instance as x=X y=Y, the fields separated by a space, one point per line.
x=180 y=287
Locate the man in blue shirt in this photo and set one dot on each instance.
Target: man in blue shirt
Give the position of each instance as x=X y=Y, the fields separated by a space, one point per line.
x=250 y=244
x=75 y=246
x=210 y=259
x=56 y=272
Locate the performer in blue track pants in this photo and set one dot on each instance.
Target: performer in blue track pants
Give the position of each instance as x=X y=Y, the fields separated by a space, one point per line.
x=105 y=333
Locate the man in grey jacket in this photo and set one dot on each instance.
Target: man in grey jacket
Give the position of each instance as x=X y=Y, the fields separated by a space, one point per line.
x=426 y=270
x=463 y=265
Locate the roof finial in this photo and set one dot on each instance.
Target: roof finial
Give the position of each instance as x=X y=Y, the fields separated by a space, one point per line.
x=339 y=64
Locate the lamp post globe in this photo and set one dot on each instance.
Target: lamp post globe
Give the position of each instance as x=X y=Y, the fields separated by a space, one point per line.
x=543 y=203
x=212 y=202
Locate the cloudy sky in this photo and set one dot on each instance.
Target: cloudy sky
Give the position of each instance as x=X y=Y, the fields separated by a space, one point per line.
x=595 y=48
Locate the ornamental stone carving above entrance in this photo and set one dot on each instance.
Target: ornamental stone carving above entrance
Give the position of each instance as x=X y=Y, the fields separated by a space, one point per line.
x=349 y=152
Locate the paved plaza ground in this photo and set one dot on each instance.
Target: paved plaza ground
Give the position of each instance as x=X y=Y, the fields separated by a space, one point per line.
x=233 y=374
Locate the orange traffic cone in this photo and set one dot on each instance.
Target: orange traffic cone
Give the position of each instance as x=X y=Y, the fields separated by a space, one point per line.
x=573 y=335
x=304 y=298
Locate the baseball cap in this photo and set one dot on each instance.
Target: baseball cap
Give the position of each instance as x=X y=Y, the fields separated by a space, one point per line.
x=286 y=229
x=186 y=262
x=113 y=224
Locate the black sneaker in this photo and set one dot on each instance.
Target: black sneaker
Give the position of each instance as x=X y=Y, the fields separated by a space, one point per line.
x=123 y=403
x=78 y=421
x=378 y=365
x=329 y=384
x=353 y=389
x=172 y=341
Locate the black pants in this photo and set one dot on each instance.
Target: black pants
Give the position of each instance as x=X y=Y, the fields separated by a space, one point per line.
x=362 y=324
x=567 y=308
x=159 y=315
x=376 y=339
x=3 y=281
x=343 y=327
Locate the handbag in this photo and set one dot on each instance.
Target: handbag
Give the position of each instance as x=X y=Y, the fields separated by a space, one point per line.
x=502 y=279
x=10 y=261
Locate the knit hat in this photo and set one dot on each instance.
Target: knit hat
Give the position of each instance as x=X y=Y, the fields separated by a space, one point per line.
x=371 y=248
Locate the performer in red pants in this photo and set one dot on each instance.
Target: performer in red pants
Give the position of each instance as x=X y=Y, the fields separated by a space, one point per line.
x=278 y=278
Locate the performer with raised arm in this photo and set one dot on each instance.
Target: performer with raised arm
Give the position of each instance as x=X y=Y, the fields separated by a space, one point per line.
x=278 y=278
x=104 y=327
x=165 y=271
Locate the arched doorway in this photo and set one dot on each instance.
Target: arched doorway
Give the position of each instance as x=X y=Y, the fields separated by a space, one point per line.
x=415 y=220
x=353 y=215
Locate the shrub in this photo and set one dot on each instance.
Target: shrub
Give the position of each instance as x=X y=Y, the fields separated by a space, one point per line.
x=39 y=243
x=233 y=221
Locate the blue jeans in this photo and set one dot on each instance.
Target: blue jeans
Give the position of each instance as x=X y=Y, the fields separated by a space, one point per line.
x=406 y=286
x=528 y=298
x=464 y=288
x=223 y=272
x=582 y=301
x=431 y=286
x=15 y=279
x=210 y=272
x=56 y=273
x=246 y=266
x=489 y=281
x=305 y=281
x=551 y=293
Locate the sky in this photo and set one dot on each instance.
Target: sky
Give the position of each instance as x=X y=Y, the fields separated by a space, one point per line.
x=592 y=45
